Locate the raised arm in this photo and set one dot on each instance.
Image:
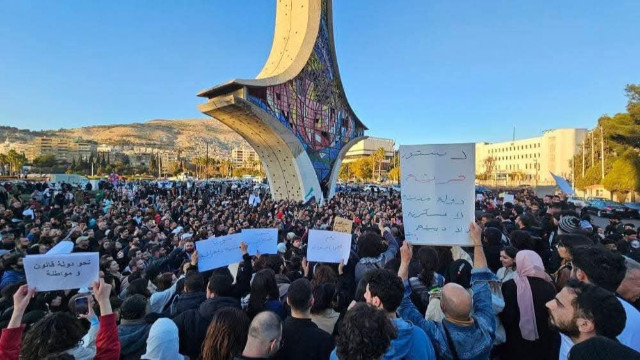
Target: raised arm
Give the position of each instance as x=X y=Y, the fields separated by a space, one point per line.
x=407 y=309
x=12 y=336
x=479 y=260
x=107 y=342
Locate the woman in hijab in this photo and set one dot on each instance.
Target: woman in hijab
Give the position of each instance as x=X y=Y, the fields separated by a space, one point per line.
x=525 y=317
x=163 y=342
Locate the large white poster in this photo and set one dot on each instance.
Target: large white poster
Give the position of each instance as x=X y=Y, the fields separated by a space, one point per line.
x=438 y=193
x=61 y=271
x=217 y=252
x=328 y=246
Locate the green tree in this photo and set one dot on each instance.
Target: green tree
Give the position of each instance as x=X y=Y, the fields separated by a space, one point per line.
x=45 y=161
x=624 y=176
x=16 y=161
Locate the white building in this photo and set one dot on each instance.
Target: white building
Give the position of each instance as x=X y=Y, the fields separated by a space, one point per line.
x=367 y=147
x=531 y=160
x=243 y=156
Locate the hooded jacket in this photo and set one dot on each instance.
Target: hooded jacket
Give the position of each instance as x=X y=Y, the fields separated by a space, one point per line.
x=192 y=324
x=133 y=338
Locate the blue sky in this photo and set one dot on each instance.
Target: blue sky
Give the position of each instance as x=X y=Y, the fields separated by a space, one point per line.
x=416 y=71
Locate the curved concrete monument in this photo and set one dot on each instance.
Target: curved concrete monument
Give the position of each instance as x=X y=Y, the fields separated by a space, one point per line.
x=295 y=113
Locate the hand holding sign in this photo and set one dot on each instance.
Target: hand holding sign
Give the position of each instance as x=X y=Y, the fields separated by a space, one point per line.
x=61 y=272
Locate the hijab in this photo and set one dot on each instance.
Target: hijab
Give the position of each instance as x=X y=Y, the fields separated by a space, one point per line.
x=528 y=264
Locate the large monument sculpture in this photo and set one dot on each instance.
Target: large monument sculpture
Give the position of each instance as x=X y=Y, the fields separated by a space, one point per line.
x=295 y=113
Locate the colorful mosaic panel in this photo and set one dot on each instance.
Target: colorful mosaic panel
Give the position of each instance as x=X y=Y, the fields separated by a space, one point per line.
x=313 y=105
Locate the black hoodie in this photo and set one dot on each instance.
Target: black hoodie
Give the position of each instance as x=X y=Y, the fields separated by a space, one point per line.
x=192 y=324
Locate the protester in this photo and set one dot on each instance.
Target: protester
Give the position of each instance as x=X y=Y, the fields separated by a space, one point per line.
x=508 y=261
x=366 y=333
x=264 y=338
x=582 y=311
x=599 y=266
x=460 y=335
x=524 y=317
x=227 y=335
x=162 y=343
x=302 y=339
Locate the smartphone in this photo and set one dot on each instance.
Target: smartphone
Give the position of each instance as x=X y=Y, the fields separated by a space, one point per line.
x=82 y=305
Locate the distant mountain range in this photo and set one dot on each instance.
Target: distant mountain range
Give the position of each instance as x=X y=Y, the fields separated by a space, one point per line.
x=186 y=134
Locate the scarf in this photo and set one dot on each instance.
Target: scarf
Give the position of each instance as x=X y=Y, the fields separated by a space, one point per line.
x=528 y=264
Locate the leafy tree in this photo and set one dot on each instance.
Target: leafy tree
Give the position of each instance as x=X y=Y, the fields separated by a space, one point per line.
x=46 y=160
x=362 y=169
x=394 y=174
x=624 y=176
x=346 y=171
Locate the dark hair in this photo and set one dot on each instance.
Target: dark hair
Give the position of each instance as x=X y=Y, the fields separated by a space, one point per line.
x=603 y=267
x=299 y=295
x=226 y=335
x=387 y=286
x=522 y=240
x=324 y=297
x=194 y=282
x=164 y=281
x=275 y=263
x=139 y=286
x=428 y=258
x=600 y=306
x=459 y=272
x=324 y=274
x=220 y=284
x=369 y=245
x=134 y=307
x=572 y=241
x=55 y=333
x=528 y=220
x=511 y=252
x=263 y=287
x=365 y=334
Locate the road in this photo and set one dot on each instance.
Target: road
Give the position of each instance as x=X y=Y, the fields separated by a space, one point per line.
x=602 y=222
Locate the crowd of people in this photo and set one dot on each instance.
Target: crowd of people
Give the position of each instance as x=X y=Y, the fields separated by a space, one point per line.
x=540 y=280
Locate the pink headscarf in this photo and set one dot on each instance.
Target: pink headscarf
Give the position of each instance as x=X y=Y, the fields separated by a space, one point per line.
x=528 y=264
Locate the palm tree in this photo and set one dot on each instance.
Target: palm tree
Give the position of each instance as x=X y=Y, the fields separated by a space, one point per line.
x=377 y=159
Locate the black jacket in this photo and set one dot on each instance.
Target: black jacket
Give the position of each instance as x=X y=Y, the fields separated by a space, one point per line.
x=192 y=324
x=302 y=339
x=517 y=348
x=187 y=301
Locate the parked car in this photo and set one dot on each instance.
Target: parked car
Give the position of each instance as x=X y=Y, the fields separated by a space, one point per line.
x=635 y=208
x=606 y=208
x=577 y=201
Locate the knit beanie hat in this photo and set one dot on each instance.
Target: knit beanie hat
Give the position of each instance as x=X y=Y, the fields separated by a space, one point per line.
x=569 y=225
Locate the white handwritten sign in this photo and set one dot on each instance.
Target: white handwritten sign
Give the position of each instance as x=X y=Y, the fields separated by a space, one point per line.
x=507 y=198
x=61 y=271
x=438 y=193
x=328 y=246
x=218 y=252
x=261 y=241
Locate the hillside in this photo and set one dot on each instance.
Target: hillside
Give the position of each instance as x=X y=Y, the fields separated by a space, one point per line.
x=183 y=134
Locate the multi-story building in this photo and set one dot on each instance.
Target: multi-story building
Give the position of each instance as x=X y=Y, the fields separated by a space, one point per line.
x=243 y=156
x=64 y=149
x=368 y=146
x=530 y=160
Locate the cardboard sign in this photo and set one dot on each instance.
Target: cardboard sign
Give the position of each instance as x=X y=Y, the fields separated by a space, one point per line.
x=438 y=193
x=261 y=241
x=217 y=252
x=61 y=271
x=343 y=225
x=328 y=246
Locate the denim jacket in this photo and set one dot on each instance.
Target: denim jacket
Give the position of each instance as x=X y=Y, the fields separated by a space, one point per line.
x=473 y=342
